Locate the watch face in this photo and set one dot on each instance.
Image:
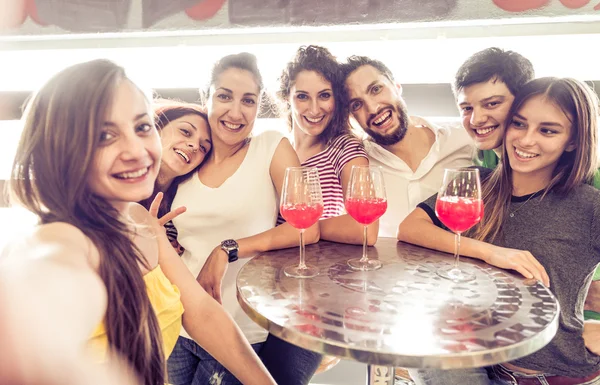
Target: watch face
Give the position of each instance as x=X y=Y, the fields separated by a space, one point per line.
x=230 y=244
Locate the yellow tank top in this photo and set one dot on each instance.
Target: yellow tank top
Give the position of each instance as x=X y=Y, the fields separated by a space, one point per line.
x=165 y=300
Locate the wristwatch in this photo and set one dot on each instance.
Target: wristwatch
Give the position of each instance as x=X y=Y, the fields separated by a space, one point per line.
x=231 y=247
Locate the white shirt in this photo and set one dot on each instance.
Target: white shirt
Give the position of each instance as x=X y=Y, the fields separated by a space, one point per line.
x=245 y=204
x=405 y=189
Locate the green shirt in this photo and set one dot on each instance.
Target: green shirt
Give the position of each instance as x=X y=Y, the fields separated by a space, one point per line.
x=487 y=159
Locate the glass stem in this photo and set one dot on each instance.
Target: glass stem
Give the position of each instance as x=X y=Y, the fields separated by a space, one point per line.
x=364 y=256
x=456 y=249
x=302 y=256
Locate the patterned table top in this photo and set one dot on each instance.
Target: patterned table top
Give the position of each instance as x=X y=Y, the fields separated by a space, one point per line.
x=403 y=314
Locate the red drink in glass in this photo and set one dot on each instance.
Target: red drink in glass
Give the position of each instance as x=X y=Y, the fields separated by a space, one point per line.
x=365 y=203
x=458 y=213
x=366 y=211
x=301 y=215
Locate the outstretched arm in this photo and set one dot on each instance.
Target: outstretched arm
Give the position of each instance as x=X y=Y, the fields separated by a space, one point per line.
x=418 y=228
x=51 y=293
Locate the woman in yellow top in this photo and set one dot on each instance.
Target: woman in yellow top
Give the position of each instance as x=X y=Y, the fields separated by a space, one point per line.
x=89 y=150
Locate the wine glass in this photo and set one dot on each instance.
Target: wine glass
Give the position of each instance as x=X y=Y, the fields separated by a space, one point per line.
x=459 y=207
x=365 y=202
x=301 y=207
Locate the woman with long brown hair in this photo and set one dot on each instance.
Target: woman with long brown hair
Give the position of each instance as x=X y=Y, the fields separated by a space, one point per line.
x=102 y=271
x=313 y=97
x=236 y=194
x=541 y=219
x=186 y=141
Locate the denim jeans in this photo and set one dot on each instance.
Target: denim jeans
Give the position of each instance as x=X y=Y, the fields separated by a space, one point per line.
x=476 y=376
x=189 y=364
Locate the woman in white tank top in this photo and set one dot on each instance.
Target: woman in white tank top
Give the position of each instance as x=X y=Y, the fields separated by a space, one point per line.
x=232 y=207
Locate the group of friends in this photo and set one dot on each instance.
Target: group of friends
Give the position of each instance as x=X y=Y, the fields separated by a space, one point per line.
x=149 y=209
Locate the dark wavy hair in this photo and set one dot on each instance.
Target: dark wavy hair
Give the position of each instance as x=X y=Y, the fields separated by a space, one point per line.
x=320 y=60
x=62 y=126
x=166 y=111
x=511 y=68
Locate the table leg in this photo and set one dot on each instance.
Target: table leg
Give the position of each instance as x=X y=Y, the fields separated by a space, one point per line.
x=380 y=375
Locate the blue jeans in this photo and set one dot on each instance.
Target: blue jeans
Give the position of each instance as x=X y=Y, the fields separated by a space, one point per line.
x=476 y=376
x=189 y=364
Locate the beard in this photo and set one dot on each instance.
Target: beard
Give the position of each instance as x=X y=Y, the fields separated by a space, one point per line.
x=397 y=134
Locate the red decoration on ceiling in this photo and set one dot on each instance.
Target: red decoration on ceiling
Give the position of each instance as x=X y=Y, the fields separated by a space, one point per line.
x=573 y=4
x=597 y=7
x=205 y=9
x=520 y=5
x=33 y=13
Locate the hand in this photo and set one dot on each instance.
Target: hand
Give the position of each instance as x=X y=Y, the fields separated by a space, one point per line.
x=213 y=271
x=591 y=336
x=168 y=216
x=592 y=301
x=520 y=260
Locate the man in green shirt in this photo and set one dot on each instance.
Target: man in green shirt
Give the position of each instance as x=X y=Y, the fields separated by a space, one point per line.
x=485 y=86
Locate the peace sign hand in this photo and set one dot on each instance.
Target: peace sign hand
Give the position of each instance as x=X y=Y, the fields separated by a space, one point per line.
x=168 y=216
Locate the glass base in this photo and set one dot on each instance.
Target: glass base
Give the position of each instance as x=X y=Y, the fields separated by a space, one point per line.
x=295 y=271
x=454 y=274
x=369 y=264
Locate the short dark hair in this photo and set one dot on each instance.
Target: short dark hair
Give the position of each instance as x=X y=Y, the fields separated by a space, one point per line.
x=320 y=60
x=511 y=68
x=354 y=62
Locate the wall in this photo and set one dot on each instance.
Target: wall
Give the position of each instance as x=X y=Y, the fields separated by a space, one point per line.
x=35 y=17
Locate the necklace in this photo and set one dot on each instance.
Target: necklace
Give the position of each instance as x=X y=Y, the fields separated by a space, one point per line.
x=512 y=214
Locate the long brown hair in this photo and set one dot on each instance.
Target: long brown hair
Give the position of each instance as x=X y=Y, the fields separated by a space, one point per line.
x=580 y=104
x=166 y=111
x=320 y=60
x=62 y=126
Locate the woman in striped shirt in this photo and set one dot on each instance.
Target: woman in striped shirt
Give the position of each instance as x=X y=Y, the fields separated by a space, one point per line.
x=311 y=89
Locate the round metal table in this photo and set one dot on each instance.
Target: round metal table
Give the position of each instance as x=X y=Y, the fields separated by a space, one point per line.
x=403 y=314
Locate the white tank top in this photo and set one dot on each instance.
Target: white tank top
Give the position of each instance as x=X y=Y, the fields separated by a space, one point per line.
x=244 y=205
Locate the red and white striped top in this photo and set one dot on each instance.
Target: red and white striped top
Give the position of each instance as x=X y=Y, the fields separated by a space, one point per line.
x=330 y=163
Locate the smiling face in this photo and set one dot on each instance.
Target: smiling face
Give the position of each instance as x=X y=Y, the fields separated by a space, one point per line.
x=312 y=102
x=233 y=106
x=483 y=108
x=126 y=162
x=538 y=135
x=376 y=105
x=185 y=142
